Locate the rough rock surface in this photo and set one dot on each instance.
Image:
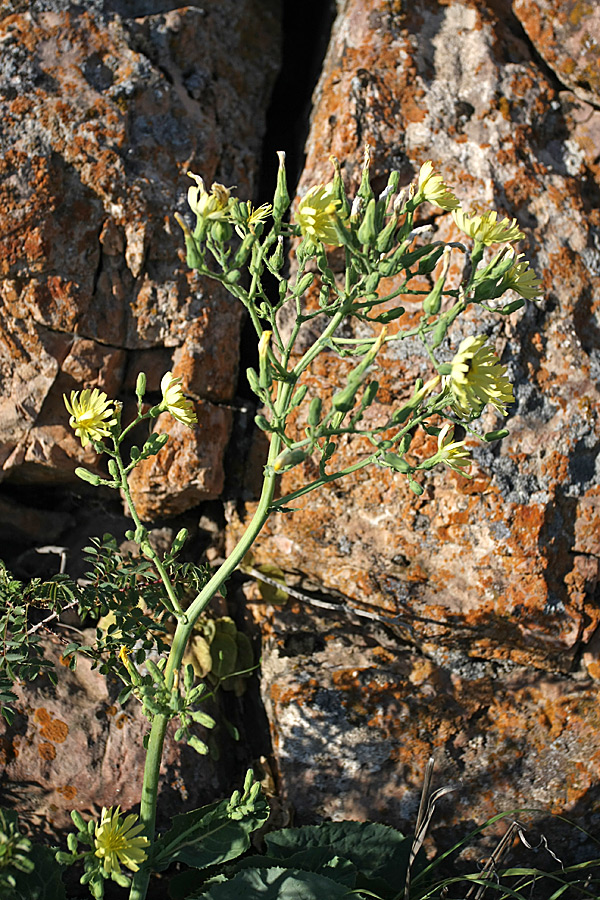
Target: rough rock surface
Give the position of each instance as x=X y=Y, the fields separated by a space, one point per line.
x=498 y=576
x=73 y=746
x=104 y=108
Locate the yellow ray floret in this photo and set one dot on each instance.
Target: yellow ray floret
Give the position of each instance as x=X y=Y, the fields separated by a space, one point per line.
x=118 y=841
x=477 y=378
x=316 y=215
x=431 y=187
x=92 y=415
x=175 y=402
x=486 y=229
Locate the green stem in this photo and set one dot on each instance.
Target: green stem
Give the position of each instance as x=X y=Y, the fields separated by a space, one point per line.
x=182 y=634
x=148 y=549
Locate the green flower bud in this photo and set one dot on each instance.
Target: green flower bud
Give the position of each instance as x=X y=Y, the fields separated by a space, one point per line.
x=289 y=458
x=113 y=469
x=233 y=276
x=298 y=396
x=343 y=401
x=393 y=461
x=390 y=315
x=511 y=307
x=314 y=411
x=281 y=200
x=433 y=301
x=415 y=487
x=496 y=435
x=303 y=285
x=367 y=233
x=140 y=385
x=90 y=477
x=253 y=380
x=263 y=423
x=221 y=231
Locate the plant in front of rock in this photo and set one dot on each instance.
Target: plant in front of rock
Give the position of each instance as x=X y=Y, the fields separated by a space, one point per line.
x=242 y=248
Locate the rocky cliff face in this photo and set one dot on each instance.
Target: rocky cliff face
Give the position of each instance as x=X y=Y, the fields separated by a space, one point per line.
x=495 y=579
x=105 y=107
x=486 y=649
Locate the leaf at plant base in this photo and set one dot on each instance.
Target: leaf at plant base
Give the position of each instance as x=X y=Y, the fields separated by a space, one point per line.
x=223 y=651
x=271 y=594
x=45 y=882
x=379 y=852
x=276 y=884
x=209 y=836
x=321 y=860
x=198 y=656
x=244 y=662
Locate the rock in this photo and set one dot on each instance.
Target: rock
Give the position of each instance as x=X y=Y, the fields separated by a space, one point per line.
x=72 y=746
x=188 y=470
x=104 y=109
x=500 y=571
x=356 y=712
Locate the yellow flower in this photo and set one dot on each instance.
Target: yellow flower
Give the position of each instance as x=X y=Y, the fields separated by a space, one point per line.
x=523 y=280
x=432 y=187
x=453 y=453
x=486 y=229
x=477 y=378
x=174 y=401
x=92 y=415
x=316 y=215
x=213 y=206
x=117 y=842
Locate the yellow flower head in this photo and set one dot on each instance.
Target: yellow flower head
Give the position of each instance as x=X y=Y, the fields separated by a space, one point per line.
x=486 y=229
x=117 y=842
x=213 y=206
x=253 y=217
x=316 y=215
x=453 y=453
x=92 y=415
x=523 y=280
x=477 y=378
x=432 y=187
x=174 y=401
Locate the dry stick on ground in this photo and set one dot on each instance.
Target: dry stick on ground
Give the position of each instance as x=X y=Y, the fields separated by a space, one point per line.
x=424 y=817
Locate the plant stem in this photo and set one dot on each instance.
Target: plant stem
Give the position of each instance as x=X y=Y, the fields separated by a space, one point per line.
x=182 y=634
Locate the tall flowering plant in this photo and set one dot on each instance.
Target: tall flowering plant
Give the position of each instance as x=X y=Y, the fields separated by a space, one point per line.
x=243 y=249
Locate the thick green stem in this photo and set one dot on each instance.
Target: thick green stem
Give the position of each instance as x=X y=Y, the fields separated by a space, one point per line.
x=180 y=639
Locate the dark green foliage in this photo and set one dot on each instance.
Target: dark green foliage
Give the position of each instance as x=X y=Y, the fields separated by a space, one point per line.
x=27 y=871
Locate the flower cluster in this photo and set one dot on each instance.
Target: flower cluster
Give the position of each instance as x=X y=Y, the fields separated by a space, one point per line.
x=213 y=205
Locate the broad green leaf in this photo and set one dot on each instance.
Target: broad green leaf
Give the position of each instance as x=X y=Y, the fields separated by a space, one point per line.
x=44 y=882
x=380 y=853
x=276 y=884
x=210 y=836
x=321 y=860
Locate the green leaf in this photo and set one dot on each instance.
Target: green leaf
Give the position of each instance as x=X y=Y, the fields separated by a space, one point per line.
x=45 y=881
x=380 y=853
x=209 y=836
x=322 y=860
x=276 y=884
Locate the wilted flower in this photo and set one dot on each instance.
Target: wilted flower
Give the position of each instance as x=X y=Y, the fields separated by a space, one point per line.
x=523 y=280
x=213 y=206
x=175 y=402
x=477 y=378
x=316 y=214
x=252 y=217
x=486 y=229
x=117 y=842
x=432 y=187
x=453 y=453
x=92 y=415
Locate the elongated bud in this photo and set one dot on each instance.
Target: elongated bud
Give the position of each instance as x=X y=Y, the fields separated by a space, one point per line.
x=367 y=233
x=276 y=260
x=244 y=249
x=365 y=190
x=263 y=353
x=433 y=301
x=114 y=469
x=90 y=477
x=180 y=539
x=289 y=458
x=338 y=188
x=303 y=285
x=253 y=380
x=314 y=411
x=140 y=385
x=298 y=396
x=281 y=200
x=393 y=461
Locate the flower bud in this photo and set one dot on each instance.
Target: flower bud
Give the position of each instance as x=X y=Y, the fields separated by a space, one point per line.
x=90 y=477
x=289 y=458
x=140 y=385
x=281 y=200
